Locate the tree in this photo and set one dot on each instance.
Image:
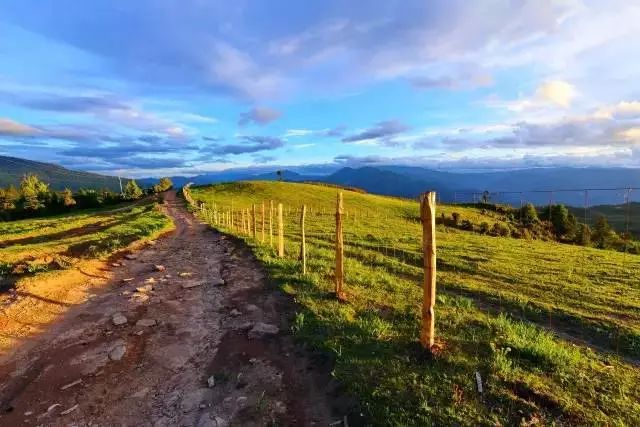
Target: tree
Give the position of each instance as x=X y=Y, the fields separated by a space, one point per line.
x=132 y=191
x=602 y=235
x=562 y=221
x=33 y=192
x=67 y=198
x=529 y=215
x=583 y=235
x=280 y=175
x=8 y=198
x=164 y=185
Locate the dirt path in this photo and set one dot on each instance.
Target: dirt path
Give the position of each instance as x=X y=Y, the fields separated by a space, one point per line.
x=205 y=343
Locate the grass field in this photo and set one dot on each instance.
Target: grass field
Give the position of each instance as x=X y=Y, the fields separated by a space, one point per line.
x=553 y=329
x=33 y=246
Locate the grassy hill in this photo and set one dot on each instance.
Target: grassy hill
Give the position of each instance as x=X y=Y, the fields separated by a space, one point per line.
x=619 y=216
x=12 y=170
x=552 y=329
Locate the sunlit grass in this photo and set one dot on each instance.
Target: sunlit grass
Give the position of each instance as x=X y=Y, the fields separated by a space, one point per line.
x=503 y=304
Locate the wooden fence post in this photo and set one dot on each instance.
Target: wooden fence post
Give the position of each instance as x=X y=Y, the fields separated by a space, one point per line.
x=262 y=228
x=255 y=222
x=428 y=217
x=339 y=274
x=244 y=221
x=271 y=223
x=303 y=247
x=280 y=232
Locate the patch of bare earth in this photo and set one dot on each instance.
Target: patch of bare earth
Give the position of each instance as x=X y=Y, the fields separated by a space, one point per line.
x=184 y=332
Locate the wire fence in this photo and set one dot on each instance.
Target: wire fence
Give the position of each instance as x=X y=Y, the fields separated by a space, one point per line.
x=511 y=276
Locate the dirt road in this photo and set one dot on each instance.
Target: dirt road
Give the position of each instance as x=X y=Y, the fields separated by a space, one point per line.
x=187 y=332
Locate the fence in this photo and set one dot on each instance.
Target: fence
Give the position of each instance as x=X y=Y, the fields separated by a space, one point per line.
x=391 y=241
x=251 y=222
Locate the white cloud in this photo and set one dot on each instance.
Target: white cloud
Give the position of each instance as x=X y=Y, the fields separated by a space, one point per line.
x=556 y=92
x=630 y=135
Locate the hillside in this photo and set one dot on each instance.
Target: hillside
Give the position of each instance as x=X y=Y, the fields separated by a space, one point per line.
x=550 y=328
x=12 y=170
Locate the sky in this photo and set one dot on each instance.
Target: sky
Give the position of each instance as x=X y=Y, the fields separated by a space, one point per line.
x=183 y=87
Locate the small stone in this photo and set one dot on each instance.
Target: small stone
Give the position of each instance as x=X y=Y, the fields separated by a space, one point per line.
x=159 y=267
x=211 y=382
x=131 y=256
x=242 y=400
x=221 y=422
x=118 y=319
x=116 y=264
x=117 y=352
x=251 y=308
x=253 y=360
x=137 y=297
x=191 y=285
x=146 y=322
x=151 y=243
x=235 y=312
x=128 y=279
x=144 y=289
x=70 y=410
x=261 y=330
x=141 y=393
x=185 y=274
x=217 y=281
x=150 y=280
x=245 y=326
x=76 y=382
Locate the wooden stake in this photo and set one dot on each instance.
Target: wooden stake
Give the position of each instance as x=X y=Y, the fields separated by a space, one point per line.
x=255 y=222
x=339 y=274
x=271 y=223
x=303 y=247
x=262 y=228
x=428 y=217
x=280 y=232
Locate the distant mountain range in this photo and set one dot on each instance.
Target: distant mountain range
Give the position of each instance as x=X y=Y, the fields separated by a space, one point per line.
x=12 y=169
x=528 y=185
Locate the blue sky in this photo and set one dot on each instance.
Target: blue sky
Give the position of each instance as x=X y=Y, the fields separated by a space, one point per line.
x=159 y=87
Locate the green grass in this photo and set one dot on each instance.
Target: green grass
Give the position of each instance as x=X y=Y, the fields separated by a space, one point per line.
x=37 y=245
x=551 y=328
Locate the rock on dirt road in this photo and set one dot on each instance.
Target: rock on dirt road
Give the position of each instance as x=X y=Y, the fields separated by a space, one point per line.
x=171 y=353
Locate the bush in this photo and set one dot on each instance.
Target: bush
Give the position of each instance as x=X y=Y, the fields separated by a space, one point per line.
x=455 y=217
x=500 y=229
x=466 y=225
x=484 y=228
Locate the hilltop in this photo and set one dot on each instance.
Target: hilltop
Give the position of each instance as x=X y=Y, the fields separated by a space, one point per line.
x=12 y=169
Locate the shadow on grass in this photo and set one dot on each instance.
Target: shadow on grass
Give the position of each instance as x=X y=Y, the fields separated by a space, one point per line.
x=607 y=337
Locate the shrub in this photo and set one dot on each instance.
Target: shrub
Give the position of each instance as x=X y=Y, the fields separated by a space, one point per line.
x=455 y=217
x=484 y=227
x=466 y=225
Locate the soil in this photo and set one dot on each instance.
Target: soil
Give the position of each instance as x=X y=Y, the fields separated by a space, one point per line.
x=189 y=354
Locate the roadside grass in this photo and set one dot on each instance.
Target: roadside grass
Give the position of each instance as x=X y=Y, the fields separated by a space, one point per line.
x=34 y=246
x=503 y=307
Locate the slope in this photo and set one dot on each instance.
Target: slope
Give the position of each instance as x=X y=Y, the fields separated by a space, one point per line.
x=553 y=330
x=12 y=169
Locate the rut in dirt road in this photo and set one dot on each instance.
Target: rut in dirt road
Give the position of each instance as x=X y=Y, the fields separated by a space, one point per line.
x=186 y=333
